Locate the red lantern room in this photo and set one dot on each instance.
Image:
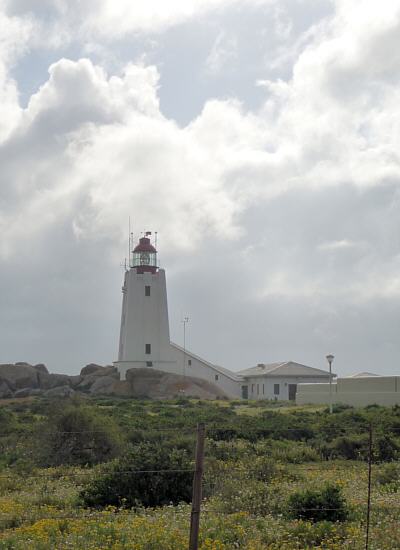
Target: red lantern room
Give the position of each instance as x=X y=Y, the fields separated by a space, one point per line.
x=145 y=256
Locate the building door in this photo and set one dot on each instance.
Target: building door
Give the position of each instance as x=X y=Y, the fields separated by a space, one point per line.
x=245 y=392
x=292 y=392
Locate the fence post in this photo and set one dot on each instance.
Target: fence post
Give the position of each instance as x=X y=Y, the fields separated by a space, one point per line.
x=369 y=487
x=197 y=489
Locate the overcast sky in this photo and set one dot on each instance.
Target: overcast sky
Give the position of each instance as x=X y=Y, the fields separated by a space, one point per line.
x=260 y=138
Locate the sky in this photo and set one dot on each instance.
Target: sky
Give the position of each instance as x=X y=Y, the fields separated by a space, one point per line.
x=259 y=138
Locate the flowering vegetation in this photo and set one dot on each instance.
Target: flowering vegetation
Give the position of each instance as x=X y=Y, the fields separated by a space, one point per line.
x=275 y=477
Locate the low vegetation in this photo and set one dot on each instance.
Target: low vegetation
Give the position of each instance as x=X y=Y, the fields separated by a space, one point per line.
x=117 y=473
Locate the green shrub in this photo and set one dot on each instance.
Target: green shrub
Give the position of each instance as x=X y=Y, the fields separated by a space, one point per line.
x=389 y=477
x=151 y=475
x=386 y=449
x=327 y=504
x=78 y=435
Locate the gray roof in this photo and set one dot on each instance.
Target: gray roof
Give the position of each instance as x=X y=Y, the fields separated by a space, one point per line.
x=363 y=375
x=286 y=368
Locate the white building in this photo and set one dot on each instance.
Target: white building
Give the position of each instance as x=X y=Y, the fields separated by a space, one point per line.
x=145 y=343
x=278 y=381
x=144 y=335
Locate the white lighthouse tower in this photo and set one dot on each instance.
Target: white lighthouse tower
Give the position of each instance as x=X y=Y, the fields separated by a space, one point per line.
x=144 y=335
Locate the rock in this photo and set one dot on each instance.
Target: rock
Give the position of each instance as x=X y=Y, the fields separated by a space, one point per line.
x=90 y=369
x=75 y=380
x=40 y=367
x=88 y=380
x=48 y=381
x=104 y=385
x=5 y=391
x=163 y=385
x=19 y=376
x=61 y=391
x=27 y=392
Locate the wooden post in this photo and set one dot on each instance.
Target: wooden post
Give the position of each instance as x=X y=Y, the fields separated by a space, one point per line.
x=197 y=489
x=369 y=488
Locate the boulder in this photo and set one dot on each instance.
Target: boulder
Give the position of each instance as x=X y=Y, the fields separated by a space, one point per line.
x=48 y=381
x=27 y=392
x=90 y=369
x=163 y=385
x=88 y=380
x=40 y=367
x=5 y=391
x=19 y=376
x=61 y=391
x=103 y=385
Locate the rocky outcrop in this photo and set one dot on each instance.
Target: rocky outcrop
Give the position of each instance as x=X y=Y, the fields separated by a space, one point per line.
x=60 y=391
x=19 y=376
x=5 y=390
x=163 y=385
x=24 y=380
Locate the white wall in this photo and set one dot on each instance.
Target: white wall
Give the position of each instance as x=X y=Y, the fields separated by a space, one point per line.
x=196 y=367
x=144 y=319
x=262 y=387
x=358 y=392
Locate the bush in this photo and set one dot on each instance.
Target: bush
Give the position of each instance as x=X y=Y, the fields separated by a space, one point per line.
x=386 y=449
x=389 y=477
x=78 y=436
x=328 y=504
x=349 y=447
x=151 y=475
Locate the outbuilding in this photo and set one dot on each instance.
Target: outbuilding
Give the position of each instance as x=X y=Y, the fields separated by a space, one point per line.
x=278 y=381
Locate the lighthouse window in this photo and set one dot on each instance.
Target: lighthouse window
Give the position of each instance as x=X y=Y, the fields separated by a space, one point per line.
x=147 y=290
x=216 y=377
x=148 y=349
x=276 y=389
x=189 y=362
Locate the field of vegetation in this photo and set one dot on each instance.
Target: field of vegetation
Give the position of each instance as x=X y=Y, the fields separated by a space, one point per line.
x=117 y=474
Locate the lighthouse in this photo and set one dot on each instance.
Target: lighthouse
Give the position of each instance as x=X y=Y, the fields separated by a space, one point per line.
x=144 y=335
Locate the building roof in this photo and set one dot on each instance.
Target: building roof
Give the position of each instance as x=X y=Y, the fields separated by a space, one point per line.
x=362 y=375
x=230 y=374
x=286 y=368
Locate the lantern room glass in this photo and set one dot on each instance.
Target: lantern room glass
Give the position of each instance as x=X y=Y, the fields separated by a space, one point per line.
x=144 y=259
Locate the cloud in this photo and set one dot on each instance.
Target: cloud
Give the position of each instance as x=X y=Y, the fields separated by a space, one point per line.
x=283 y=217
x=111 y=19
x=14 y=36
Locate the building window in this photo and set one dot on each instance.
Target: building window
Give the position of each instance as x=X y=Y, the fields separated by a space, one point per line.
x=147 y=290
x=252 y=388
x=149 y=363
x=263 y=389
x=189 y=362
x=148 y=349
x=258 y=389
x=276 y=389
x=216 y=377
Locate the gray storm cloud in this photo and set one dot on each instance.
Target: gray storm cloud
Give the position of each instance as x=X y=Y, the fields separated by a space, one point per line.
x=278 y=225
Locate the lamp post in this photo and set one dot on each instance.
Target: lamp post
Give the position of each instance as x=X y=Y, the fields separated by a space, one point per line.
x=330 y=359
x=185 y=321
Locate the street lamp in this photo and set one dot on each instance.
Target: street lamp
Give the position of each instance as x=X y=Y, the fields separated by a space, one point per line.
x=330 y=359
x=185 y=321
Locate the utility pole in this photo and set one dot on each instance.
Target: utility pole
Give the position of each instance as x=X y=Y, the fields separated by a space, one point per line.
x=330 y=359
x=185 y=321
